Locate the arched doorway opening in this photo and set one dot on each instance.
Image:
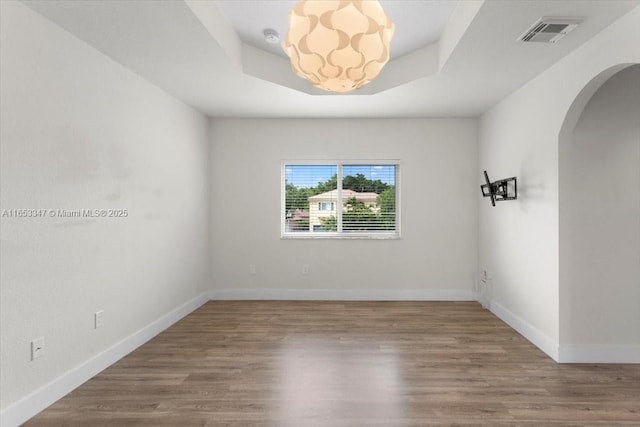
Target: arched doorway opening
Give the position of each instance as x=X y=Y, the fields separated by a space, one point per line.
x=599 y=224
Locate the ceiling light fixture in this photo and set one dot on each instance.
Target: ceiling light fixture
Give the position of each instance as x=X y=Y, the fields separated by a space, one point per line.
x=338 y=45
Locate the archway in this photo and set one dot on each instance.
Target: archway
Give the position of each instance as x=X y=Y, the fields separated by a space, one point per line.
x=599 y=221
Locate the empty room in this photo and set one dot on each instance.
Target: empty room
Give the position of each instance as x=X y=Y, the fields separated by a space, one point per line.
x=319 y=213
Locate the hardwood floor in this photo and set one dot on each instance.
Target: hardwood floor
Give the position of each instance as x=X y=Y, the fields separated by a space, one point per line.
x=299 y=364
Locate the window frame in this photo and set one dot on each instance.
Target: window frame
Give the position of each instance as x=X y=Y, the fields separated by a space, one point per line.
x=339 y=234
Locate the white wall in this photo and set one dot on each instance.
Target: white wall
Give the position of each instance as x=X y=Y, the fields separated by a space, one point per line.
x=519 y=241
x=600 y=219
x=80 y=131
x=436 y=256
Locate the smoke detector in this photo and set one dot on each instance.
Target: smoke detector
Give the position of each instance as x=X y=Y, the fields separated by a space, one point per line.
x=549 y=30
x=271 y=36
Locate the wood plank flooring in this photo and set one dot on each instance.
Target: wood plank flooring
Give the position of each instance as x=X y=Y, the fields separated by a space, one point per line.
x=321 y=364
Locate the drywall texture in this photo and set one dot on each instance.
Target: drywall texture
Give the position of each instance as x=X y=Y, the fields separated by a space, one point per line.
x=437 y=250
x=600 y=218
x=519 y=241
x=81 y=132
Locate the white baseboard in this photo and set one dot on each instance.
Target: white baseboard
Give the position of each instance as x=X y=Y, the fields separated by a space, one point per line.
x=344 y=294
x=533 y=334
x=599 y=354
x=567 y=353
x=25 y=408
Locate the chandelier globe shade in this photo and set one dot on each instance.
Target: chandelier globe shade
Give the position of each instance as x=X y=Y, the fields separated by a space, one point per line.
x=338 y=45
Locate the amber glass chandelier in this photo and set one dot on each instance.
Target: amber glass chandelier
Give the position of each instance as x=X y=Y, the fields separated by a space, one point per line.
x=338 y=45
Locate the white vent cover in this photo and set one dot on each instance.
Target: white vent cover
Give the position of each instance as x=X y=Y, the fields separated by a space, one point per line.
x=549 y=30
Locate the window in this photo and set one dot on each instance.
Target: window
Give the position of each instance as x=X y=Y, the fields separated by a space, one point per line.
x=367 y=193
x=324 y=206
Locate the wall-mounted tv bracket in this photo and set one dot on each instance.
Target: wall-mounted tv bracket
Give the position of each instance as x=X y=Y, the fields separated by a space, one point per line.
x=500 y=190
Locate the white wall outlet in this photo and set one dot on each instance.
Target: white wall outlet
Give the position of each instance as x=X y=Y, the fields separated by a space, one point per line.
x=305 y=268
x=98 y=319
x=37 y=348
x=252 y=269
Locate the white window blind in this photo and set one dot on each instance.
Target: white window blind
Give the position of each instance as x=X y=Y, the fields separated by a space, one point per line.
x=340 y=200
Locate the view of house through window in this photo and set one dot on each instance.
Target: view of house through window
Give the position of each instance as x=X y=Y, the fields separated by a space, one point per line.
x=365 y=193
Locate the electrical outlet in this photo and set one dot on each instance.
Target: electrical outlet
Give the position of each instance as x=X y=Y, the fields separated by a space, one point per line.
x=37 y=348
x=305 y=268
x=98 y=319
x=252 y=269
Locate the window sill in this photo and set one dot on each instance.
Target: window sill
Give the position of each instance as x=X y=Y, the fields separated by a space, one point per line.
x=343 y=236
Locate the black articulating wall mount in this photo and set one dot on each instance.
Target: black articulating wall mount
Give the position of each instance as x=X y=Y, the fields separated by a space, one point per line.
x=500 y=190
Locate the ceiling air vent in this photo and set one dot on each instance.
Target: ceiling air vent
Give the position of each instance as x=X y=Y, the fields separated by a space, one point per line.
x=549 y=30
